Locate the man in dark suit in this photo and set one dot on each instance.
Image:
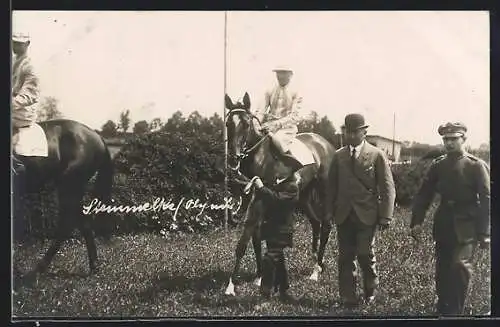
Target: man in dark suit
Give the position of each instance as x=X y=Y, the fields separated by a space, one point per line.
x=361 y=197
x=277 y=230
x=462 y=219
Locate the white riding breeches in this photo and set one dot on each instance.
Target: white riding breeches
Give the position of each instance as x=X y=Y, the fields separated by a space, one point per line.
x=285 y=136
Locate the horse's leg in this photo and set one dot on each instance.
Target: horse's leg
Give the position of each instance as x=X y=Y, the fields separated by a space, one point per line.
x=257 y=248
x=88 y=235
x=320 y=230
x=326 y=228
x=69 y=200
x=239 y=253
x=307 y=207
x=251 y=223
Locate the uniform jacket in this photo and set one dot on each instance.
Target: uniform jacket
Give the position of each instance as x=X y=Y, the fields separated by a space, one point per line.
x=279 y=201
x=272 y=115
x=367 y=187
x=463 y=183
x=25 y=90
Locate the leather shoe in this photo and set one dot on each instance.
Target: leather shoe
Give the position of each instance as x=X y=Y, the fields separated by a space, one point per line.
x=369 y=300
x=350 y=304
x=369 y=296
x=285 y=297
x=266 y=294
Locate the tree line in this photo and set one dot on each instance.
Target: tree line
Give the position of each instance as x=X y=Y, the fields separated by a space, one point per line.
x=49 y=109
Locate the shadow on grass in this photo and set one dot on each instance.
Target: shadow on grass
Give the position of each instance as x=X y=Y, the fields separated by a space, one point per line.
x=213 y=280
x=31 y=278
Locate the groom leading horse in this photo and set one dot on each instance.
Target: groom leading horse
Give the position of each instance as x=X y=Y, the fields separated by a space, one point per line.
x=256 y=152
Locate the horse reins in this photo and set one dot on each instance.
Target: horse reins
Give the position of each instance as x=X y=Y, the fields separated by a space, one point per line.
x=245 y=151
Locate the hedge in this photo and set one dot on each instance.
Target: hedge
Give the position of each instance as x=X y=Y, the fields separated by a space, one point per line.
x=179 y=166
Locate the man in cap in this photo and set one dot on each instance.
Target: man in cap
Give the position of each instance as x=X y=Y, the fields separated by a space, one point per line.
x=462 y=219
x=25 y=89
x=280 y=200
x=279 y=115
x=360 y=196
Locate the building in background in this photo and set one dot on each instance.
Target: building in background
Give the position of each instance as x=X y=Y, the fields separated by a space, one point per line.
x=392 y=148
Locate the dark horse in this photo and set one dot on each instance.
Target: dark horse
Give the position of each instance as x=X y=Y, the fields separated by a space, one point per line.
x=252 y=154
x=75 y=154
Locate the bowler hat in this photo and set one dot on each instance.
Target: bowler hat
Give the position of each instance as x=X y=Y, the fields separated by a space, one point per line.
x=353 y=122
x=452 y=129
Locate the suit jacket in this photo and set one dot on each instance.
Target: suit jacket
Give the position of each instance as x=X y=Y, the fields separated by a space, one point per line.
x=279 y=202
x=367 y=187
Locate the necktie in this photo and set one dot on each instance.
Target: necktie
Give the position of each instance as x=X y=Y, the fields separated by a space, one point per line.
x=353 y=156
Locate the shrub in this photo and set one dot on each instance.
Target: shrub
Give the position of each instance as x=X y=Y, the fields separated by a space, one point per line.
x=182 y=164
x=178 y=168
x=408 y=179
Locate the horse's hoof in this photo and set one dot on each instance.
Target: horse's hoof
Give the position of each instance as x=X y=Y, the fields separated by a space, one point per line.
x=314 y=277
x=230 y=289
x=16 y=282
x=29 y=279
x=257 y=281
x=94 y=269
x=40 y=268
x=315 y=274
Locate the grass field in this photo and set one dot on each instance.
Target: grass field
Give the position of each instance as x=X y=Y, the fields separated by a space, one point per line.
x=185 y=275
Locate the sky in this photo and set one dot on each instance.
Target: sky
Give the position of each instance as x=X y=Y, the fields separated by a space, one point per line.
x=423 y=68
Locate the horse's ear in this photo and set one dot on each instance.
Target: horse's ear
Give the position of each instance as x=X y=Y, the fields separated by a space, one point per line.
x=246 y=101
x=229 y=102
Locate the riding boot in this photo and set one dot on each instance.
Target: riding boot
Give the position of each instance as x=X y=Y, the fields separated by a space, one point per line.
x=268 y=276
x=287 y=156
x=284 y=284
x=17 y=165
x=291 y=161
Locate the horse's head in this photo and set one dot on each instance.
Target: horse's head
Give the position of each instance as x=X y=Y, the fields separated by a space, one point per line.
x=241 y=132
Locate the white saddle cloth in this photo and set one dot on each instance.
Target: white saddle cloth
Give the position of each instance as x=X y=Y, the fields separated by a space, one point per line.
x=300 y=151
x=31 y=142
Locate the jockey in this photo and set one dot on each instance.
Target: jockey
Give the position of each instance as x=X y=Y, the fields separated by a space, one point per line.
x=279 y=115
x=25 y=90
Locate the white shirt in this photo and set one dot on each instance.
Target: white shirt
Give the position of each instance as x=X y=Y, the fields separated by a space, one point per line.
x=358 y=149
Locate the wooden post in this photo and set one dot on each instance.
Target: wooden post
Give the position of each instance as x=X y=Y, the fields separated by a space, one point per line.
x=226 y=210
x=394 y=138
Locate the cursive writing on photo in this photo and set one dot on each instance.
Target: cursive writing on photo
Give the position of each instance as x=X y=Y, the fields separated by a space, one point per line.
x=161 y=204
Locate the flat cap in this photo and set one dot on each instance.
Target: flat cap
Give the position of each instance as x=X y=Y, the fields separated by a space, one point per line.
x=456 y=129
x=282 y=68
x=20 y=37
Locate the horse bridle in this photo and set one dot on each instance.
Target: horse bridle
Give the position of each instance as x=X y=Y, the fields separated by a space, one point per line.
x=245 y=151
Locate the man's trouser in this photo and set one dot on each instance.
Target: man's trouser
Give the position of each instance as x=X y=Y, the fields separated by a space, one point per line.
x=355 y=240
x=274 y=272
x=453 y=274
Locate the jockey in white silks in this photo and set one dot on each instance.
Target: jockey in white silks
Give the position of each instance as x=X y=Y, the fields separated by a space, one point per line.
x=25 y=89
x=279 y=115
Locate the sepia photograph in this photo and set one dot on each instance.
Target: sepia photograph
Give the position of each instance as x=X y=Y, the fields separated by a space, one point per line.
x=250 y=164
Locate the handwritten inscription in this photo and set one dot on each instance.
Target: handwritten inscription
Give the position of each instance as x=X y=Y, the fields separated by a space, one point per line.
x=161 y=204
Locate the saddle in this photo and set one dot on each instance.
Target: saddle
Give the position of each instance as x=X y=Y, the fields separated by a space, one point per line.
x=30 y=141
x=298 y=150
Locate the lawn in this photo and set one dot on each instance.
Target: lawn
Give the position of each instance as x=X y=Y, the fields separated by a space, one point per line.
x=147 y=275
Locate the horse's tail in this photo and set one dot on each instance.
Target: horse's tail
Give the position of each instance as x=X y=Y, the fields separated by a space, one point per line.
x=104 y=179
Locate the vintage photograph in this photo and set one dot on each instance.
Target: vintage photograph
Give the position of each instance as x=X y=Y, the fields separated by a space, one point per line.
x=250 y=164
